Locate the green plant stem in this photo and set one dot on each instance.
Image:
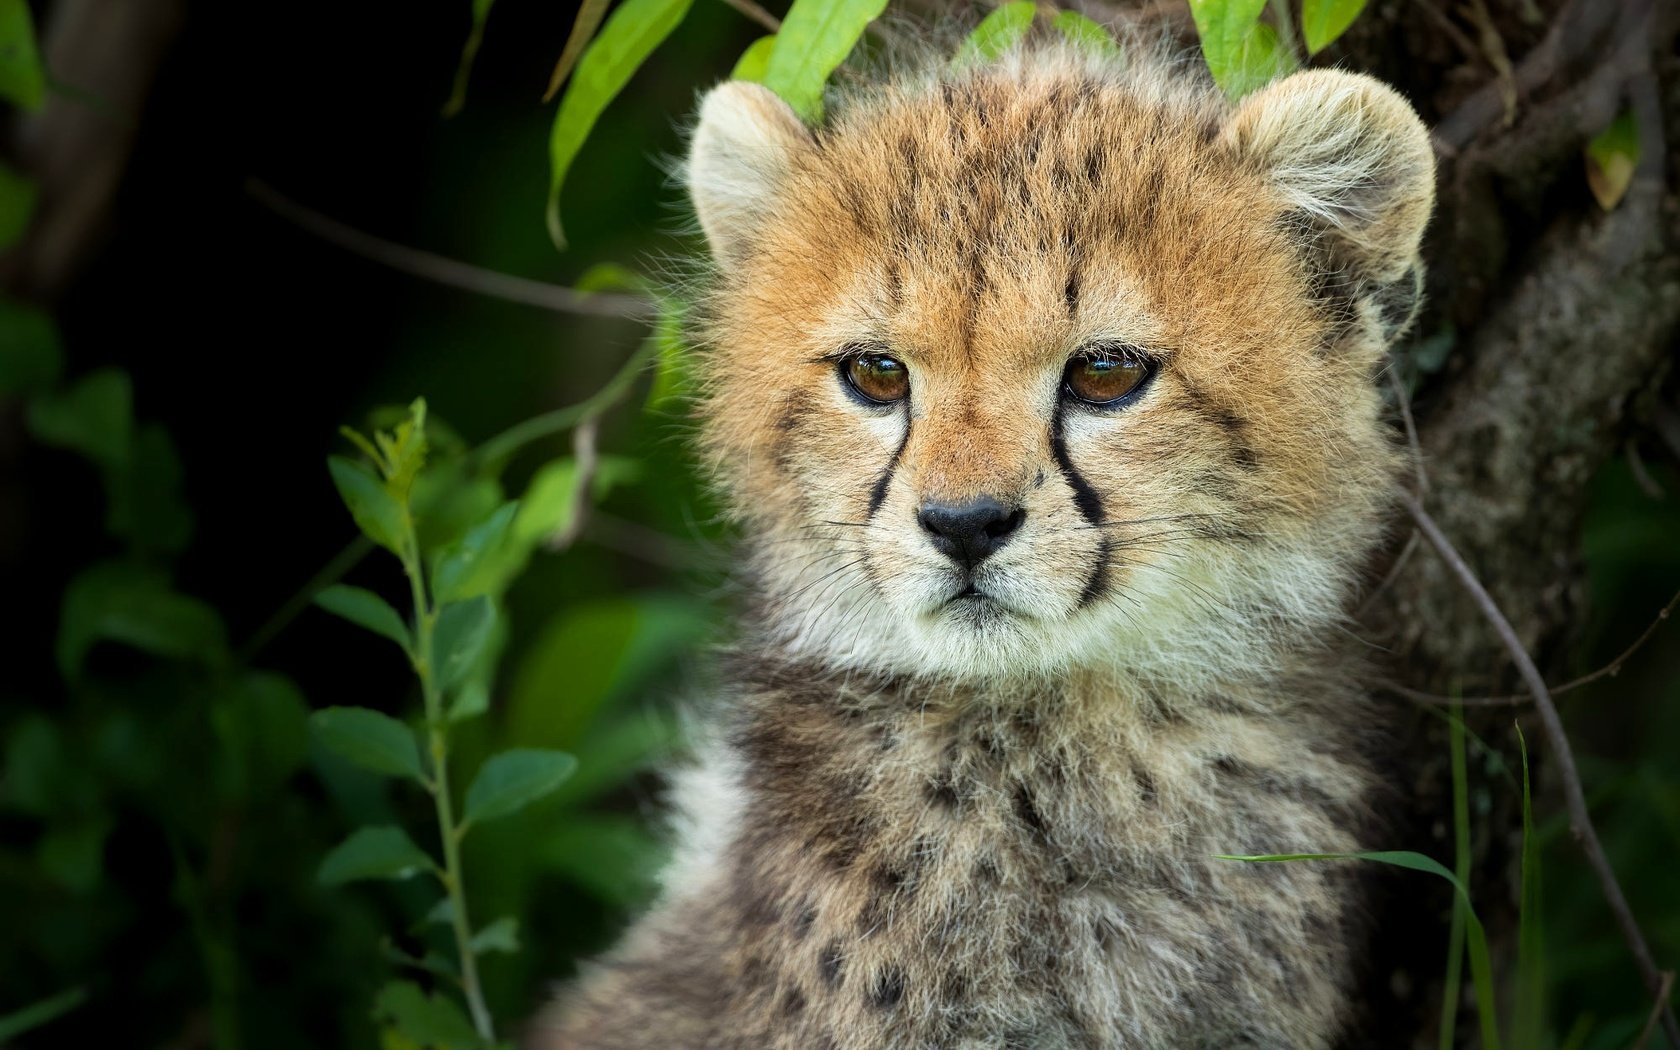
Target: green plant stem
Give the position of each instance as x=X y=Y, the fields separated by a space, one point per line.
x=1451 y=985
x=425 y=621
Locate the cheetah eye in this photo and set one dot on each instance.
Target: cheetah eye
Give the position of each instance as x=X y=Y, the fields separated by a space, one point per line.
x=1107 y=377
x=875 y=377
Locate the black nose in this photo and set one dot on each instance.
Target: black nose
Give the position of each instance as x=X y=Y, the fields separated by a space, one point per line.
x=970 y=532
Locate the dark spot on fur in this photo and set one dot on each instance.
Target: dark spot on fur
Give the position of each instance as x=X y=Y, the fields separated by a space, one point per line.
x=793 y=1003
x=888 y=989
x=831 y=963
x=1038 y=482
x=803 y=922
x=1145 y=783
x=986 y=870
x=1070 y=291
x=1027 y=812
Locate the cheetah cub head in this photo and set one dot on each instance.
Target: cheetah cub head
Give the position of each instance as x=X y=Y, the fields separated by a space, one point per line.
x=1049 y=367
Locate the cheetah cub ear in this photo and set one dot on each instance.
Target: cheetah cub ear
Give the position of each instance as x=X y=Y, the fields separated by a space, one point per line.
x=1351 y=155
x=743 y=151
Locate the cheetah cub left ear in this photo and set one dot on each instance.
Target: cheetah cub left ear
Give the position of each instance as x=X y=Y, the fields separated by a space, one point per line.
x=1350 y=155
x=745 y=147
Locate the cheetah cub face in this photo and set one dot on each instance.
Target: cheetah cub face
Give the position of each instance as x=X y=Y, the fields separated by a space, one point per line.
x=1049 y=366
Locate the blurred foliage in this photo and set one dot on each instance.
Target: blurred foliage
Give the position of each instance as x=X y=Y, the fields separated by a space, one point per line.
x=183 y=831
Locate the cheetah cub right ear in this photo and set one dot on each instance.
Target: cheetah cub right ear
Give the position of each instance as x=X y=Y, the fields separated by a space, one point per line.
x=1352 y=157
x=744 y=149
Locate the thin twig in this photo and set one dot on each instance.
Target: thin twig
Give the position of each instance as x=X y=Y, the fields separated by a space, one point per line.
x=583 y=452
x=1390 y=576
x=1641 y=476
x=757 y=14
x=1656 y=1011
x=1450 y=28
x=1580 y=821
x=1609 y=670
x=636 y=540
x=444 y=270
x=1667 y=423
x=1405 y=401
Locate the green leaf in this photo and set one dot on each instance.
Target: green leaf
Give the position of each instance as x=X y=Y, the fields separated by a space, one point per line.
x=616 y=752
x=624 y=43
x=135 y=606
x=469 y=52
x=471 y=700
x=670 y=378
x=1322 y=21
x=997 y=33
x=611 y=855
x=369 y=739
x=31 y=355
x=610 y=277
x=463 y=629
x=1612 y=158
x=262 y=734
x=403 y=451
x=754 y=62
x=368 y=610
x=94 y=417
x=17 y=205
x=816 y=36
x=39 y=1013
x=466 y=568
x=512 y=780
x=22 y=80
x=1086 y=33
x=500 y=936
x=145 y=501
x=377 y=513
x=591 y=654
x=589 y=15
x=1241 y=51
x=431 y=1021
x=73 y=855
x=383 y=852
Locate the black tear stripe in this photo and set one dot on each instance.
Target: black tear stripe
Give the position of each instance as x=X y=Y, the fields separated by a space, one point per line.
x=1084 y=496
x=878 y=494
x=1097 y=585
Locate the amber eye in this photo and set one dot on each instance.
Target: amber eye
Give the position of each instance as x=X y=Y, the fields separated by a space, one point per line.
x=876 y=377
x=1107 y=378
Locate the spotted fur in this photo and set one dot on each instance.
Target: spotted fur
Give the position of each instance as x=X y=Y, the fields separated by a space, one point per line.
x=925 y=820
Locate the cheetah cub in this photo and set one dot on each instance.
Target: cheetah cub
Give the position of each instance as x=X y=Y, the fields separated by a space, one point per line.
x=1045 y=395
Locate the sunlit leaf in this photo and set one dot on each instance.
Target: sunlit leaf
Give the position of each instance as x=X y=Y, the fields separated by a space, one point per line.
x=367 y=610
x=467 y=567
x=610 y=277
x=94 y=417
x=624 y=43
x=432 y=1021
x=499 y=936
x=135 y=606
x=1612 y=158
x=469 y=52
x=370 y=739
x=1085 y=32
x=39 y=1013
x=404 y=450
x=380 y=517
x=997 y=33
x=754 y=62
x=670 y=379
x=31 y=354
x=22 y=80
x=816 y=36
x=384 y=852
x=1322 y=21
x=512 y=780
x=17 y=205
x=463 y=630
x=1241 y=51
x=588 y=19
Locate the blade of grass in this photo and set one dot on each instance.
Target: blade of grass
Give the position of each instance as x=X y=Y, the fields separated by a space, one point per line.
x=1481 y=967
x=1451 y=985
x=1528 y=1013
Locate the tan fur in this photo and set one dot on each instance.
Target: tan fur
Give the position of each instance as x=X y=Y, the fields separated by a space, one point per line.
x=927 y=822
